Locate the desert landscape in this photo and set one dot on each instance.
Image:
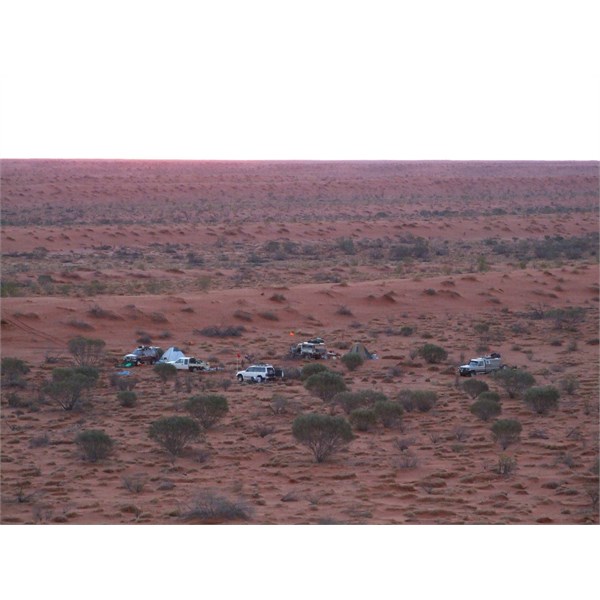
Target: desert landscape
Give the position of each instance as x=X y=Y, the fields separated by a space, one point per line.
x=237 y=261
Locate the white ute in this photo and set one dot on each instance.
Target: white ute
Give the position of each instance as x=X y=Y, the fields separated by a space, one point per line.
x=481 y=365
x=189 y=363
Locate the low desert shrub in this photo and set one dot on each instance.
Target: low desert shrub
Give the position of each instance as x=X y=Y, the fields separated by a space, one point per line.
x=325 y=385
x=207 y=506
x=95 y=444
x=222 y=332
x=432 y=354
x=312 y=369
x=350 y=401
x=165 y=371
x=421 y=400
x=174 y=433
x=486 y=408
x=542 y=399
x=363 y=419
x=514 y=381
x=506 y=465
x=13 y=370
x=127 y=398
x=322 y=434
x=569 y=384
x=389 y=413
x=473 y=387
x=506 y=432
x=135 y=482
x=352 y=361
x=208 y=409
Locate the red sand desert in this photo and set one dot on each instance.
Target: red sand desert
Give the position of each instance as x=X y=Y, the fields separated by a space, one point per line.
x=473 y=257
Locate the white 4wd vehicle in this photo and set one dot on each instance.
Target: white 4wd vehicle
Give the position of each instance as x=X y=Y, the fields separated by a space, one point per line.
x=257 y=373
x=481 y=365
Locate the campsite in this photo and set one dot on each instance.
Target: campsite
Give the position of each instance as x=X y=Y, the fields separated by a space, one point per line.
x=411 y=269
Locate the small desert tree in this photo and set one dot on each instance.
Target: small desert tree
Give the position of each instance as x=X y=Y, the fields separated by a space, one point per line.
x=13 y=370
x=174 y=433
x=542 y=399
x=325 y=385
x=312 y=369
x=87 y=352
x=352 y=361
x=474 y=387
x=95 y=444
x=207 y=408
x=506 y=432
x=486 y=406
x=127 y=398
x=433 y=354
x=322 y=434
x=69 y=385
x=514 y=381
x=165 y=372
x=389 y=413
x=363 y=419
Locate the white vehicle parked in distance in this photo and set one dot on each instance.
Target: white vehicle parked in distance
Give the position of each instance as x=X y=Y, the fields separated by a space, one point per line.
x=189 y=363
x=481 y=365
x=256 y=373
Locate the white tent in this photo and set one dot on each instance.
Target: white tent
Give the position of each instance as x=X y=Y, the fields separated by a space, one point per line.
x=173 y=353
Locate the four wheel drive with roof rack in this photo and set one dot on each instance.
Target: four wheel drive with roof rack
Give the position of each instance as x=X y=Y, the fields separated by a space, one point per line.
x=481 y=365
x=259 y=373
x=143 y=355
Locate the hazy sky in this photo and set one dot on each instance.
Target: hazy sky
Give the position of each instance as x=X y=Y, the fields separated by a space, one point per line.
x=300 y=80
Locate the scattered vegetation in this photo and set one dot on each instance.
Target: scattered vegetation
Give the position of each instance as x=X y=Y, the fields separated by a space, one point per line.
x=486 y=407
x=13 y=370
x=421 y=400
x=127 y=398
x=514 y=381
x=208 y=409
x=506 y=432
x=322 y=434
x=542 y=399
x=174 y=433
x=432 y=354
x=325 y=385
x=69 y=385
x=87 y=352
x=95 y=444
x=210 y=507
x=473 y=387
x=352 y=361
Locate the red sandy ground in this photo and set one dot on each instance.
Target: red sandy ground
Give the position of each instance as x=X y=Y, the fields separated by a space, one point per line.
x=80 y=212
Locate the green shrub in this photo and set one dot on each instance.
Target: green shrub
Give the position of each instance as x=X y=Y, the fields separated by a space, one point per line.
x=363 y=419
x=542 y=399
x=174 y=433
x=350 y=401
x=421 y=400
x=506 y=432
x=207 y=408
x=325 y=385
x=87 y=352
x=165 y=371
x=312 y=369
x=474 y=387
x=486 y=408
x=69 y=385
x=95 y=444
x=569 y=384
x=322 y=434
x=13 y=370
x=352 y=361
x=514 y=381
x=389 y=413
x=127 y=398
x=433 y=354
x=210 y=507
